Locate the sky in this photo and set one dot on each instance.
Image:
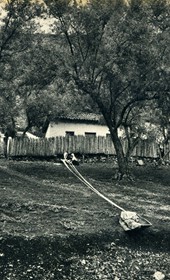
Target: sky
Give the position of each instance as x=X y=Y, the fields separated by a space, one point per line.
x=45 y=24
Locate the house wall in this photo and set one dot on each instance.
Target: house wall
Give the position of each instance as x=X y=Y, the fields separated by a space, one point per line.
x=60 y=128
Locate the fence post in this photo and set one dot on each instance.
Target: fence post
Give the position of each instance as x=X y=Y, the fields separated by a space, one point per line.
x=7 y=147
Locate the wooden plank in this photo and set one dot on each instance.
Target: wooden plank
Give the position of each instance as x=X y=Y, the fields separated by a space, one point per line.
x=78 y=144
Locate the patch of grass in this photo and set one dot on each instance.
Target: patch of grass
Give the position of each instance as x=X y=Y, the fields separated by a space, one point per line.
x=53 y=227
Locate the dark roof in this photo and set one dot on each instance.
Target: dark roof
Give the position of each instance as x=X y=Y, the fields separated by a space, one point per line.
x=81 y=117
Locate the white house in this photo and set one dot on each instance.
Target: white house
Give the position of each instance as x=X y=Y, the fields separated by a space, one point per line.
x=80 y=124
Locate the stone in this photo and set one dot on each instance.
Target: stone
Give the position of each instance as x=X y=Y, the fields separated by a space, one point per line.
x=159 y=275
x=140 y=162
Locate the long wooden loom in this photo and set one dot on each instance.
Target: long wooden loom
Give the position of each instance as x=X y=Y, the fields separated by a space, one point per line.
x=129 y=220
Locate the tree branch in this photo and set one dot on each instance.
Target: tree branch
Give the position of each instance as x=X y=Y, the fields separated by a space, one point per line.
x=132 y=102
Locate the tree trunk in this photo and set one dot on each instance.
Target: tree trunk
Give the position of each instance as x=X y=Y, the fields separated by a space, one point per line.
x=131 y=143
x=121 y=159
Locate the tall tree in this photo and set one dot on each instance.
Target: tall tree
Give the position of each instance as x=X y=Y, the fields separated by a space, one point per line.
x=115 y=53
x=16 y=24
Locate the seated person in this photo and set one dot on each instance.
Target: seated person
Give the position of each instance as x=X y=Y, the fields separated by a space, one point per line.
x=65 y=156
x=70 y=158
x=74 y=159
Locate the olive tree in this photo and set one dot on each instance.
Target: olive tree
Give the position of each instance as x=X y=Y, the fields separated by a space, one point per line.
x=116 y=54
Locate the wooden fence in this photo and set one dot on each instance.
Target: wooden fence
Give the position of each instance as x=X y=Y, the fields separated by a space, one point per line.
x=77 y=144
x=1 y=146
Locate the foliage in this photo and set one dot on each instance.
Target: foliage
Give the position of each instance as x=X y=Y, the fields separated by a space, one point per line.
x=117 y=54
x=35 y=83
x=14 y=29
x=107 y=55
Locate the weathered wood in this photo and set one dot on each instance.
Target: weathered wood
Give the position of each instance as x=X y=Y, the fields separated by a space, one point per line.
x=78 y=144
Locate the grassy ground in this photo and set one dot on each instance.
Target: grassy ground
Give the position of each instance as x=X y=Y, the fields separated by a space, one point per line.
x=52 y=227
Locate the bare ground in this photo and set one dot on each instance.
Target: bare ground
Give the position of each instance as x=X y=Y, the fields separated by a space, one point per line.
x=53 y=227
